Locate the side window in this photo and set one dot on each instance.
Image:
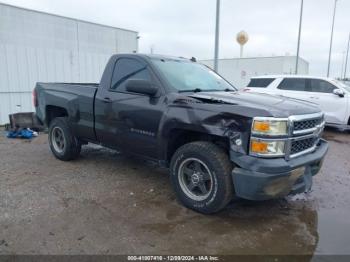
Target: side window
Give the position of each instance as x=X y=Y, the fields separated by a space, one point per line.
x=260 y=82
x=125 y=69
x=293 y=84
x=321 y=86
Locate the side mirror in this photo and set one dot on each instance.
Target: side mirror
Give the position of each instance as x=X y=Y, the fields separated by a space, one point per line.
x=141 y=87
x=339 y=92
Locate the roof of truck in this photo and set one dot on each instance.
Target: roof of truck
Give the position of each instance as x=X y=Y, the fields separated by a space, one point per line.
x=168 y=57
x=155 y=56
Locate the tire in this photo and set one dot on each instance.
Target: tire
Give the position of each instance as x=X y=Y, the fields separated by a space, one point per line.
x=66 y=146
x=211 y=193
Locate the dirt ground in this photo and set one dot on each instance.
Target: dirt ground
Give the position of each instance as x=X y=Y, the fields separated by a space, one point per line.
x=107 y=203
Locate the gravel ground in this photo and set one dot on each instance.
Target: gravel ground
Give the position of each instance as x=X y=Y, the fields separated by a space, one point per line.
x=107 y=203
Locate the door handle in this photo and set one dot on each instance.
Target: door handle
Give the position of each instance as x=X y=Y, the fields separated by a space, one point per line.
x=107 y=100
x=314 y=97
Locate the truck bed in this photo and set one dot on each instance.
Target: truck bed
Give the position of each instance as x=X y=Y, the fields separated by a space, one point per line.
x=78 y=97
x=65 y=86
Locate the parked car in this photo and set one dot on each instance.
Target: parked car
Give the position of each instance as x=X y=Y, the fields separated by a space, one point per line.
x=330 y=95
x=216 y=141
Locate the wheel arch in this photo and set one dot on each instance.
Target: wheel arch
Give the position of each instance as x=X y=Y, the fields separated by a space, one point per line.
x=52 y=112
x=179 y=137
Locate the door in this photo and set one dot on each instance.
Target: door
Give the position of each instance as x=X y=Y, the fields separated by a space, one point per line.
x=334 y=106
x=294 y=88
x=129 y=121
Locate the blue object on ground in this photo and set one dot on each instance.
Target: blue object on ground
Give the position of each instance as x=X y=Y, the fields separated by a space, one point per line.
x=23 y=133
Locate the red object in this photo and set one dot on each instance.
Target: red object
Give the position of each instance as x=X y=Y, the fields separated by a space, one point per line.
x=35 y=99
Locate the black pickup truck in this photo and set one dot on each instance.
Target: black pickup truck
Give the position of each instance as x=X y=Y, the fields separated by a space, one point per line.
x=217 y=142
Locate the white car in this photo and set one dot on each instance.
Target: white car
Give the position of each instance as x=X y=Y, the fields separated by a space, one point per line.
x=330 y=95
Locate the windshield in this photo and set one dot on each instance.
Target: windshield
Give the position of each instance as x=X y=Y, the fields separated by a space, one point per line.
x=345 y=85
x=186 y=76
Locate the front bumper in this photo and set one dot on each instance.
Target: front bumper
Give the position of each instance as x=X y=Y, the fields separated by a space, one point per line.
x=262 y=179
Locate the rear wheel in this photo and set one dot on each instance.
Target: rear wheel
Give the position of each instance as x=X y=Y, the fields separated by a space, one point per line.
x=201 y=177
x=64 y=145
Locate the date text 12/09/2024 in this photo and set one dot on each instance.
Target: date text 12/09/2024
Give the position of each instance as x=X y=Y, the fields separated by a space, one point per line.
x=173 y=258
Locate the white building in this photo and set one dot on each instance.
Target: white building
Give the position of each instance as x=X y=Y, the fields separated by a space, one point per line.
x=36 y=46
x=239 y=70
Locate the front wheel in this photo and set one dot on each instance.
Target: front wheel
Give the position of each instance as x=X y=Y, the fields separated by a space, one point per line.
x=64 y=145
x=201 y=177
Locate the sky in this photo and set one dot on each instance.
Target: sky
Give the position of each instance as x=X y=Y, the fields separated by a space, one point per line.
x=187 y=27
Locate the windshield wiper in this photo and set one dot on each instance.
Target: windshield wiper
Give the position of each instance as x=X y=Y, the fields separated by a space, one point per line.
x=196 y=90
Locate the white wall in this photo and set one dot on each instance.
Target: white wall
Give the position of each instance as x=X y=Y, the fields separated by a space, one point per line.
x=239 y=71
x=39 y=47
x=289 y=66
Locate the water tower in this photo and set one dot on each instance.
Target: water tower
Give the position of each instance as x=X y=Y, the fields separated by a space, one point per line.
x=242 y=38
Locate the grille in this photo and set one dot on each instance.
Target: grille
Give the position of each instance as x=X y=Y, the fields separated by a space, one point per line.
x=302 y=145
x=307 y=124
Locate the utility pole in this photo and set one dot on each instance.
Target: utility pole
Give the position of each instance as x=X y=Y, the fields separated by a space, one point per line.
x=346 y=58
x=217 y=31
x=331 y=42
x=298 y=47
x=342 y=65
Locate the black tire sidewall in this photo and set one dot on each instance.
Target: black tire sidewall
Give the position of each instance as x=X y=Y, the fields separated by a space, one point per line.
x=72 y=147
x=214 y=200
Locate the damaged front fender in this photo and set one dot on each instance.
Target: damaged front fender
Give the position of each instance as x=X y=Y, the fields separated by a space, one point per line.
x=207 y=117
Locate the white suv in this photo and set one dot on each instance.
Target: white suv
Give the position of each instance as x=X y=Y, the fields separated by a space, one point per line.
x=331 y=96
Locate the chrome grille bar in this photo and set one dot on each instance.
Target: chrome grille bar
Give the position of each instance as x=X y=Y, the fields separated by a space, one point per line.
x=303 y=134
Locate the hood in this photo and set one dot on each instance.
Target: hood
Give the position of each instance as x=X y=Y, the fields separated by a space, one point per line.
x=277 y=106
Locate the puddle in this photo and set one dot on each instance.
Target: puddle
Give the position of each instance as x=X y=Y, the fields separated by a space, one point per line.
x=283 y=227
x=334 y=232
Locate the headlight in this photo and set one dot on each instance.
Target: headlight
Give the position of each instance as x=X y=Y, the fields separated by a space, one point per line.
x=265 y=126
x=267 y=147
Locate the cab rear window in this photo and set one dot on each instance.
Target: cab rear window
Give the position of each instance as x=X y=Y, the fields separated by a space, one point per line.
x=260 y=82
